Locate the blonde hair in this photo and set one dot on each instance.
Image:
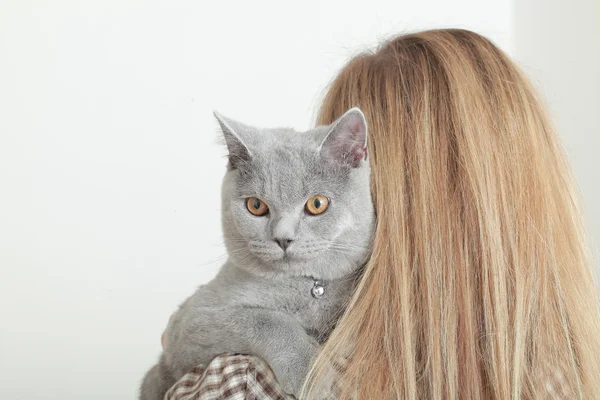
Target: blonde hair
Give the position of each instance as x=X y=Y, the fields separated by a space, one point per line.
x=479 y=284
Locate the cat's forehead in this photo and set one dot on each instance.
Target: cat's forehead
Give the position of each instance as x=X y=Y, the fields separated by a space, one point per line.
x=287 y=151
x=288 y=138
x=286 y=165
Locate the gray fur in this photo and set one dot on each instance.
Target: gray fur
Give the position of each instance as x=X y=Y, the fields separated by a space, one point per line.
x=260 y=303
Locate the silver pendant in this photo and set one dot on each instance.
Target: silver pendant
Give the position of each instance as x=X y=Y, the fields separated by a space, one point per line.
x=318 y=290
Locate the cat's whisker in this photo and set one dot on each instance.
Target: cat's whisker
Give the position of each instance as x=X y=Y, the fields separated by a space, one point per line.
x=235 y=240
x=340 y=251
x=221 y=258
x=350 y=247
x=217 y=260
x=334 y=243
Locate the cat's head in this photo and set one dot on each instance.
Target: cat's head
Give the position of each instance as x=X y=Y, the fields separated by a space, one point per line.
x=298 y=203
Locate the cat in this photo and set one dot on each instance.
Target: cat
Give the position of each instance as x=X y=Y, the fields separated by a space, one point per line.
x=297 y=218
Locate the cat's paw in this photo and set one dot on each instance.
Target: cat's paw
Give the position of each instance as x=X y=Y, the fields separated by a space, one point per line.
x=291 y=366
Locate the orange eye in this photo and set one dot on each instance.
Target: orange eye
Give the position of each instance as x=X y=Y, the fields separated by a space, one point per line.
x=256 y=206
x=317 y=205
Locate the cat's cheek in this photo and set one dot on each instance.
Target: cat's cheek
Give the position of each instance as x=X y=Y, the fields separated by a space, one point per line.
x=323 y=226
x=251 y=227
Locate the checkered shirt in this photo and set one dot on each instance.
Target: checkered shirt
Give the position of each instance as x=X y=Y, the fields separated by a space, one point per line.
x=243 y=377
x=229 y=377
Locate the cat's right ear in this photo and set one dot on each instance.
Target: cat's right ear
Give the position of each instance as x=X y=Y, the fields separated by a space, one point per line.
x=232 y=132
x=346 y=141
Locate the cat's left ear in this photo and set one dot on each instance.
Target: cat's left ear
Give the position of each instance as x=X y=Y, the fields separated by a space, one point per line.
x=346 y=141
x=233 y=132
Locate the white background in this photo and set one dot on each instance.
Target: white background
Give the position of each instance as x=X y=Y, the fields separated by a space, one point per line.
x=110 y=165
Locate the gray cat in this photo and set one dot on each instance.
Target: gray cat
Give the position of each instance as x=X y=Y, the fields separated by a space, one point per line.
x=297 y=220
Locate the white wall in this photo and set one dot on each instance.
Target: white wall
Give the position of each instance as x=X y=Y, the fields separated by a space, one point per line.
x=558 y=44
x=110 y=168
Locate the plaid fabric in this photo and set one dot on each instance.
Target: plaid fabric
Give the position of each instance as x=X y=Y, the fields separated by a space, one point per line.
x=229 y=377
x=242 y=377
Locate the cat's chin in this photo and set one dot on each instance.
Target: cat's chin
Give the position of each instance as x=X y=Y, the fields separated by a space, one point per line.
x=290 y=267
x=284 y=262
x=319 y=264
x=275 y=265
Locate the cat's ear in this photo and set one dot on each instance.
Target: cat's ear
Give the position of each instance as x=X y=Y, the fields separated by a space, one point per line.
x=346 y=141
x=233 y=132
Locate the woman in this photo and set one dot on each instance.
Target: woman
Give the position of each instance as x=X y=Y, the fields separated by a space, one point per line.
x=478 y=285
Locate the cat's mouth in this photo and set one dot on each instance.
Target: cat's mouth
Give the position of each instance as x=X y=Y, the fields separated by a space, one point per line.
x=288 y=257
x=284 y=256
x=274 y=254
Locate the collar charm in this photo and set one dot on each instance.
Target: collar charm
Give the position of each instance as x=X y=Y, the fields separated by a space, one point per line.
x=318 y=290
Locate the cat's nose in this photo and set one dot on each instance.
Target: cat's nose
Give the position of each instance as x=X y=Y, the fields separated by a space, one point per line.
x=284 y=243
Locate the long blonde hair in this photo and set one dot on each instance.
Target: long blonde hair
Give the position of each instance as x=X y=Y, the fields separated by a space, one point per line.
x=479 y=284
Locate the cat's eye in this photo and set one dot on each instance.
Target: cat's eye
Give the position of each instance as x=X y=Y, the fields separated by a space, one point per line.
x=317 y=205
x=256 y=206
